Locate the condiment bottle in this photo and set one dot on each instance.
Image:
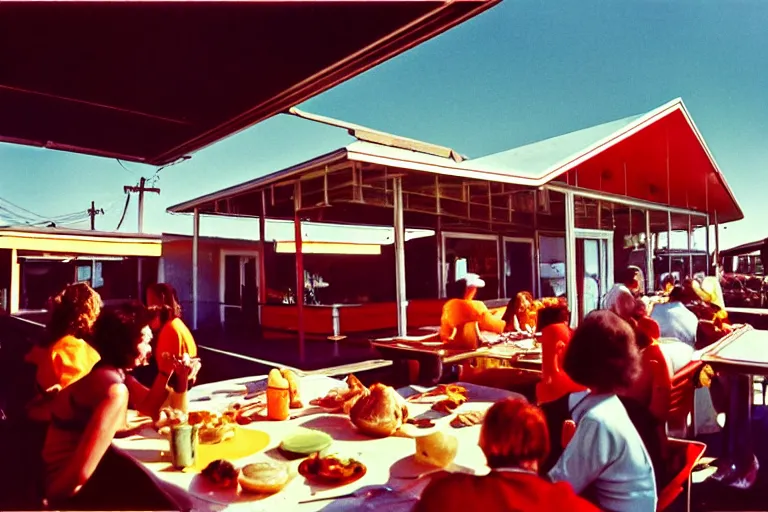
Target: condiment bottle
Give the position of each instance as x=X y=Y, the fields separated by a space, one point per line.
x=278 y=396
x=183 y=445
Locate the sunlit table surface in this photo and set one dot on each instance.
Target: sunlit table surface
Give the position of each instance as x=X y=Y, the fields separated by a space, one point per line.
x=387 y=459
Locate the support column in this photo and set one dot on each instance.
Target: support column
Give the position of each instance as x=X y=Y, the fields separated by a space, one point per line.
x=669 y=242
x=299 y=266
x=690 y=247
x=439 y=241
x=195 y=263
x=650 y=278
x=14 y=290
x=536 y=253
x=262 y=253
x=570 y=256
x=717 y=241
x=402 y=303
x=707 y=246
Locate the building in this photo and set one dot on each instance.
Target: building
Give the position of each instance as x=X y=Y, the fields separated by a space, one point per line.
x=339 y=257
x=548 y=217
x=36 y=263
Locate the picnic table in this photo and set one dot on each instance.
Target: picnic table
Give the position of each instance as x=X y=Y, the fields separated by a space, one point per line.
x=737 y=357
x=389 y=460
x=518 y=351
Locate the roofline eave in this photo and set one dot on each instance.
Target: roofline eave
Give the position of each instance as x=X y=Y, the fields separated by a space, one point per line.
x=249 y=186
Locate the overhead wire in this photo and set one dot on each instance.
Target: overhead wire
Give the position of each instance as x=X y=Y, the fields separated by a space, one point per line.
x=152 y=181
x=125 y=210
x=124 y=167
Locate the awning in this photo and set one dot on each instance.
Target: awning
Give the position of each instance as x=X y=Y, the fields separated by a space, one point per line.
x=744 y=249
x=154 y=81
x=80 y=242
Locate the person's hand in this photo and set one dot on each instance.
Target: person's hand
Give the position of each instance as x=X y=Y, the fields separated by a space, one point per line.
x=185 y=369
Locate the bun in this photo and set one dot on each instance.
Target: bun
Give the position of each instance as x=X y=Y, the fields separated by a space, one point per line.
x=264 y=477
x=380 y=413
x=438 y=449
x=293 y=388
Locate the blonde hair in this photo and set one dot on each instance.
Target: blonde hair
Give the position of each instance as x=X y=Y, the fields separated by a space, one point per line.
x=73 y=312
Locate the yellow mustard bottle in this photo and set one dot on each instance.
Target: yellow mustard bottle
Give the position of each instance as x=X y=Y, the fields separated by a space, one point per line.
x=278 y=396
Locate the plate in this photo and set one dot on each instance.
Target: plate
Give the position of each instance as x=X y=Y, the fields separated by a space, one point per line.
x=245 y=442
x=305 y=470
x=305 y=441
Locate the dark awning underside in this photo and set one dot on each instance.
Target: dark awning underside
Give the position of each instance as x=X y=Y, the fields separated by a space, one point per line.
x=153 y=81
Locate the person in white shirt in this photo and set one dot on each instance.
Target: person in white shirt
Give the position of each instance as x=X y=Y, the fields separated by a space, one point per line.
x=631 y=283
x=606 y=456
x=675 y=320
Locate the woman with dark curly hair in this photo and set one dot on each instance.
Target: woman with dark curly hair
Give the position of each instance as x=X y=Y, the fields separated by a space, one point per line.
x=173 y=336
x=65 y=356
x=82 y=470
x=606 y=454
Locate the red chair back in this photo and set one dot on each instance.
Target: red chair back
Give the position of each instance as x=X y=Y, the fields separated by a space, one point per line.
x=569 y=429
x=682 y=393
x=687 y=455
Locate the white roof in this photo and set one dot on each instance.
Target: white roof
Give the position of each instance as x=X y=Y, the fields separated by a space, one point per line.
x=530 y=165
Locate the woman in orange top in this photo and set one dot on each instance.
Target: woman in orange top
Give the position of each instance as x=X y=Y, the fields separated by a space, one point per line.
x=67 y=356
x=555 y=334
x=173 y=337
x=83 y=471
x=515 y=440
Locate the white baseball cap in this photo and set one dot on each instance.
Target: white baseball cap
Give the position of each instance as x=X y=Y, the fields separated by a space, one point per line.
x=474 y=280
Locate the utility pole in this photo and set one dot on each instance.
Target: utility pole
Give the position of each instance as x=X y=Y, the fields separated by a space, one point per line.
x=140 y=190
x=93 y=212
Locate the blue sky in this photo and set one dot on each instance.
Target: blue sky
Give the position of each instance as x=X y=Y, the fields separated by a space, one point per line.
x=521 y=72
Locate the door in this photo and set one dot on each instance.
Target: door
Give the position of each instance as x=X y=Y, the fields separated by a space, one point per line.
x=594 y=268
x=518 y=266
x=239 y=289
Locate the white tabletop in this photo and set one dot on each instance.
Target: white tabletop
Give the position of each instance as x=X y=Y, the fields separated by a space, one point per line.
x=385 y=459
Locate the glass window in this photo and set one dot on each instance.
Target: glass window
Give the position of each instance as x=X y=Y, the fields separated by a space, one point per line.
x=552 y=265
x=552 y=262
x=476 y=254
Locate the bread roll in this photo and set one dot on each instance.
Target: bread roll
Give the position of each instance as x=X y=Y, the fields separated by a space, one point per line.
x=264 y=477
x=437 y=449
x=293 y=388
x=380 y=413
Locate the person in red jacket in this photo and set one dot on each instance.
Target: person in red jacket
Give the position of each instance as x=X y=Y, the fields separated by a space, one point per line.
x=555 y=335
x=515 y=440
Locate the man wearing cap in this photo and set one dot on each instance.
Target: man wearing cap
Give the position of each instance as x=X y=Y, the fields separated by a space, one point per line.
x=457 y=324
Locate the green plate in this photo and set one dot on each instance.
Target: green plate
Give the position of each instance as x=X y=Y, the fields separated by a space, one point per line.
x=304 y=441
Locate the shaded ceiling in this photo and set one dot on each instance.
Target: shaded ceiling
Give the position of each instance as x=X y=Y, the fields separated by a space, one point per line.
x=153 y=81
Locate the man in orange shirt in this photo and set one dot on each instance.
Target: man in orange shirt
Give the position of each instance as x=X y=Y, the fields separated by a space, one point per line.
x=462 y=312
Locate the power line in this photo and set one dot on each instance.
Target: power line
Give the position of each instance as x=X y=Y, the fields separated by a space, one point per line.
x=21 y=208
x=125 y=210
x=124 y=167
x=155 y=177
